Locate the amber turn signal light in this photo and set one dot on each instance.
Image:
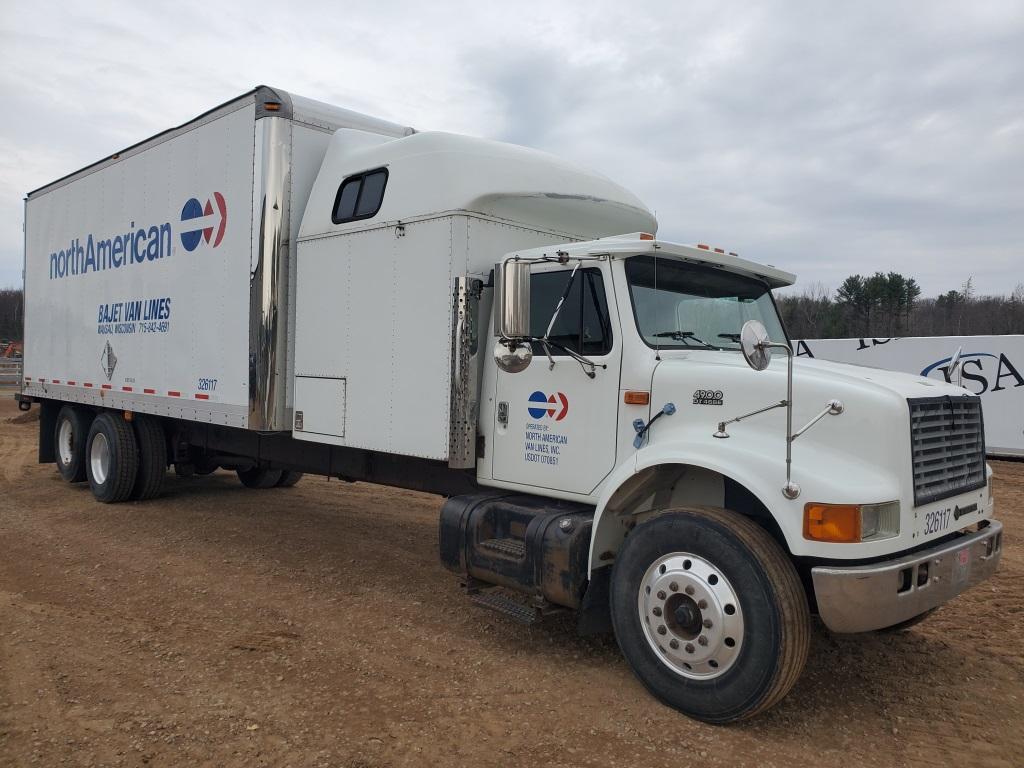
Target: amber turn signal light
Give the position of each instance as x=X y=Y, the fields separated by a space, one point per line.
x=839 y=523
x=635 y=397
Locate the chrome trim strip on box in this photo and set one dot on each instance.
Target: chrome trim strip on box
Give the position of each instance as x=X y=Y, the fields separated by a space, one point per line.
x=268 y=281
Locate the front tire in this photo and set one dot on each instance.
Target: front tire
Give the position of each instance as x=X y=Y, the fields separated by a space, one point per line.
x=710 y=613
x=112 y=458
x=70 y=435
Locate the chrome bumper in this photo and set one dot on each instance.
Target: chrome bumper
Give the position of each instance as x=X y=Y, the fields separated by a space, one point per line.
x=867 y=597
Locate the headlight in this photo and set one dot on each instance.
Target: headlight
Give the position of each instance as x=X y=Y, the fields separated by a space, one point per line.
x=851 y=523
x=879 y=521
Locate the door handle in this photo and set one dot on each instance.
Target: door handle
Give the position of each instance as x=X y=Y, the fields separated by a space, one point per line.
x=503 y=413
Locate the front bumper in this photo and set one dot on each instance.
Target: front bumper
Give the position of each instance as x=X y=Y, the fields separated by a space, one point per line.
x=867 y=597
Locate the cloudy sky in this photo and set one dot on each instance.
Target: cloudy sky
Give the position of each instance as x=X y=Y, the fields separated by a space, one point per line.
x=825 y=138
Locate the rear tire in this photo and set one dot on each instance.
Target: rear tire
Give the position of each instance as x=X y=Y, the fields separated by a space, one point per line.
x=710 y=613
x=289 y=478
x=258 y=477
x=152 y=458
x=112 y=458
x=69 y=438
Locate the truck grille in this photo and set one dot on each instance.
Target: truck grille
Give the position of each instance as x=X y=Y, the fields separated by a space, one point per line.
x=947 y=444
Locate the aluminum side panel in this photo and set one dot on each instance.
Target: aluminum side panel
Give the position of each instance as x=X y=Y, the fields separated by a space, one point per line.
x=167 y=290
x=375 y=308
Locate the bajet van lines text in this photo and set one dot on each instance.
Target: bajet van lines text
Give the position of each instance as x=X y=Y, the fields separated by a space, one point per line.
x=134 y=247
x=135 y=315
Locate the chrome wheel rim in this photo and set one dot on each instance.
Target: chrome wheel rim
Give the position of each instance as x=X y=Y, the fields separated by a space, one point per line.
x=691 y=616
x=65 y=437
x=99 y=458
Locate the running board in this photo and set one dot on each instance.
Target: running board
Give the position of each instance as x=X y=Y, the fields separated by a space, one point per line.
x=513 y=609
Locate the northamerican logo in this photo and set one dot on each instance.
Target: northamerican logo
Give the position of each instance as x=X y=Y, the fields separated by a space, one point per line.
x=139 y=244
x=201 y=220
x=541 y=405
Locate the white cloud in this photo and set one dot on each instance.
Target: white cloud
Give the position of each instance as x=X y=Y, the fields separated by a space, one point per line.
x=827 y=139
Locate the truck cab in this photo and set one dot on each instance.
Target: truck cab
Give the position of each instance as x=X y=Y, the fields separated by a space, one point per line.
x=634 y=377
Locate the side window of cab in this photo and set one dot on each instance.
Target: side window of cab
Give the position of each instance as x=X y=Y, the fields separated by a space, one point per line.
x=583 y=325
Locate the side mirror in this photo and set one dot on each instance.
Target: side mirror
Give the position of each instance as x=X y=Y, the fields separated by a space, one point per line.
x=512 y=299
x=754 y=342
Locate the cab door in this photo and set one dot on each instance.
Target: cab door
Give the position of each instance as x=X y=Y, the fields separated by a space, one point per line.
x=556 y=428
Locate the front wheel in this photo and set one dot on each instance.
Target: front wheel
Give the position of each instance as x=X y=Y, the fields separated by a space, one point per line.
x=710 y=613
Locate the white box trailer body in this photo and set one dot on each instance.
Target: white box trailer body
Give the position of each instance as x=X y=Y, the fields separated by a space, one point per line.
x=992 y=367
x=160 y=277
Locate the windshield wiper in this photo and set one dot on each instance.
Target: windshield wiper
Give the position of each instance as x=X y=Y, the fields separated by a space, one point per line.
x=583 y=361
x=733 y=337
x=683 y=336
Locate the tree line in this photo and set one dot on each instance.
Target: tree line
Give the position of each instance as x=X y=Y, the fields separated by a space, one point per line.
x=889 y=305
x=11 y=314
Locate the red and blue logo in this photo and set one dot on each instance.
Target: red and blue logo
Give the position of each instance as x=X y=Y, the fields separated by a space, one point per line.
x=556 y=405
x=203 y=220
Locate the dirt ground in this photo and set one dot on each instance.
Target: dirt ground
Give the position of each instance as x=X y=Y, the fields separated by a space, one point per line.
x=313 y=626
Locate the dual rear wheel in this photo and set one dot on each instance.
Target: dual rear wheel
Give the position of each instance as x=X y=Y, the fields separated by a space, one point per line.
x=121 y=460
x=124 y=459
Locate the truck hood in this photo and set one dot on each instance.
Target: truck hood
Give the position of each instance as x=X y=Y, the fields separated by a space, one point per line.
x=862 y=455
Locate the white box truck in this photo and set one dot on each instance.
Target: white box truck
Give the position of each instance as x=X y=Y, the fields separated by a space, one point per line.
x=283 y=287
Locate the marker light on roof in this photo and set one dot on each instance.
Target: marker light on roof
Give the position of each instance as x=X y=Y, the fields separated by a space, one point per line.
x=705 y=247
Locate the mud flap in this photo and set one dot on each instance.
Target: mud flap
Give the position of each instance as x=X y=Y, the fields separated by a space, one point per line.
x=595 y=616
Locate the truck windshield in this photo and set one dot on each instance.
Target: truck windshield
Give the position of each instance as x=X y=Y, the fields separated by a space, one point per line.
x=688 y=306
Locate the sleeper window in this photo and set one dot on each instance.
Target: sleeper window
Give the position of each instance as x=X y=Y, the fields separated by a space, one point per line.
x=360 y=196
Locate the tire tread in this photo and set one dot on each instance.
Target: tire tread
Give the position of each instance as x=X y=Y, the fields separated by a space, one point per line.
x=152 y=448
x=794 y=613
x=124 y=458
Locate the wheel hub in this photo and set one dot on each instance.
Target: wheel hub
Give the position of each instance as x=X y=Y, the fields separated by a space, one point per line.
x=65 y=440
x=99 y=458
x=691 y=615
x=683 y=616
